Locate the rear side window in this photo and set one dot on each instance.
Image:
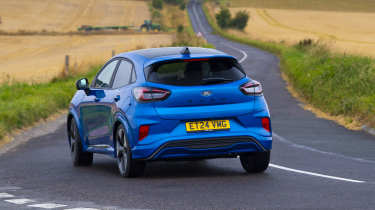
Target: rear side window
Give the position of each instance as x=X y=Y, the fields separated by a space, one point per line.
x=195 y=72
x=123 y=75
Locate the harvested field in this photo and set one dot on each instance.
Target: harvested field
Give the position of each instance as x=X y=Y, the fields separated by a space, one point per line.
x=68 y=15
x=317 y=5
x=346 y=32
x=41 y=58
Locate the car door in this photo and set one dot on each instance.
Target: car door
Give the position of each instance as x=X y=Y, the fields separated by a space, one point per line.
x=97 y=108
x=125 y=76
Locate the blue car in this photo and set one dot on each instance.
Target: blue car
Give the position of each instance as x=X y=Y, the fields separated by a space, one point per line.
x=174 y=103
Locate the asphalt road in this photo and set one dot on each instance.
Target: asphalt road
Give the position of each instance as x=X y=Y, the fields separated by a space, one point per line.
x=315 y=163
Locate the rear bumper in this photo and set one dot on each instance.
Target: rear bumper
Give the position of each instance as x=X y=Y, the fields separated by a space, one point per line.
x=229 y=146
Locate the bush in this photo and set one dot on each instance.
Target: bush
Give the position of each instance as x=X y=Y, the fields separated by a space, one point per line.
x=240 y=20
x=182 y=6
x=223 y=18
x=156 y=14
x=180 y=28
x=174 y=2
x=157 y=4
x=305 y=44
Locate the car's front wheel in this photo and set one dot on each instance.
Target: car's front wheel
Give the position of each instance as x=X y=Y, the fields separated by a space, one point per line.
x=79 y=157
x=255 y=162
x=126 y=165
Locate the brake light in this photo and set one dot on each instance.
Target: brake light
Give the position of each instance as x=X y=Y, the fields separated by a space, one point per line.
x=196 y=59
x=148 y=94
x=252 y=88
x=266 y=124
x=143 y=132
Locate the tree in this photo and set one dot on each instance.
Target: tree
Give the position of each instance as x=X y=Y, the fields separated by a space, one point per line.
x=240 y=20
x=157 y=4
x=223 y=18
x=182 y=6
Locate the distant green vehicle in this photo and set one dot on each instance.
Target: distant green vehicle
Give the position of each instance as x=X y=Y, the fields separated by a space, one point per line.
x=88 y=28
x=149 y=26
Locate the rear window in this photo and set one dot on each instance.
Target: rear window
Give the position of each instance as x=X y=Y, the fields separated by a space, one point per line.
x=195 y=72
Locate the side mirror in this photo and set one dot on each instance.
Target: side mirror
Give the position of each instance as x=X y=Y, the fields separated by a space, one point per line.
x=83 y=84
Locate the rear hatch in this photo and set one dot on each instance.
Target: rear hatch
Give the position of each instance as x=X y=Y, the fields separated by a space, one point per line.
x=200 y=88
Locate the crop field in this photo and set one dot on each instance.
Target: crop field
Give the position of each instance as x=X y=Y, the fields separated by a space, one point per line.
x=344 y=26
x=321 y=5
x=68 y=15
x=39 y=58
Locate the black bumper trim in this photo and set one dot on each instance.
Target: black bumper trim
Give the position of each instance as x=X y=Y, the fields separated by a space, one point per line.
x=207 y=143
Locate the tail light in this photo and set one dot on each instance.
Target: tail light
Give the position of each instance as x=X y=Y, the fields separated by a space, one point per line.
x=143 y=132
x=266 y=124
x=252 y=88
x=149 y=94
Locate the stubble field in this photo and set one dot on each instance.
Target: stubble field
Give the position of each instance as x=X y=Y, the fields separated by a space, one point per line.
x=345 y=26
x=39 y=58
x=68 y=15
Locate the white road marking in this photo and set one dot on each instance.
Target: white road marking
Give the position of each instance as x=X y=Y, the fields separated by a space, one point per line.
x=241 y=51
x=19 y=201
x=6 y=195
x=82 y=209
x=47 y=205
x=315 y=174
x=9 y=188
x=197 y=20
x=299 y=146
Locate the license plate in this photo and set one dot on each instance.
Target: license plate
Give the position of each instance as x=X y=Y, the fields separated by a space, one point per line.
x=208 y=125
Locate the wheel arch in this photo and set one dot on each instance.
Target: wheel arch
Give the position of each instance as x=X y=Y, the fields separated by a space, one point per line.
x=68 y=124
x=72 y=115
x=120 y=119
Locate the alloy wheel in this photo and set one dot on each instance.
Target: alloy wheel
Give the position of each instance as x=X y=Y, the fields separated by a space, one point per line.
x=121 y=151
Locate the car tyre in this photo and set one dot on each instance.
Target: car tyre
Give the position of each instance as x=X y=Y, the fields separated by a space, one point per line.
x=255 y=162
x=126 y=165
x=79 y=157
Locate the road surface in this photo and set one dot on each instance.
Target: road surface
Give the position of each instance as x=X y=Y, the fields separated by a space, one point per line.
x=315 y=163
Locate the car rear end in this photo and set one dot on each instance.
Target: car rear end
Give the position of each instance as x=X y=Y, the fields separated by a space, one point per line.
x=198 y=107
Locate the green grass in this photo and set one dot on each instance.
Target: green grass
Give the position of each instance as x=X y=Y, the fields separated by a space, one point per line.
x=321 y=5
x=24 y=104
x=337 y=84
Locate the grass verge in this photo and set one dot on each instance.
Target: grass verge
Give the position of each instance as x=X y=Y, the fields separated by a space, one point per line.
x=341 y=85
x=23 y=104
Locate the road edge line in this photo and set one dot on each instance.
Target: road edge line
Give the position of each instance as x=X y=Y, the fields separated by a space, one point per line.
x=316 y=174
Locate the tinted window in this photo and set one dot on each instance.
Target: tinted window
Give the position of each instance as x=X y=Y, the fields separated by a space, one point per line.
x=134 y=76
x=199 y=72
x=123 y=74
x=103 y=80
